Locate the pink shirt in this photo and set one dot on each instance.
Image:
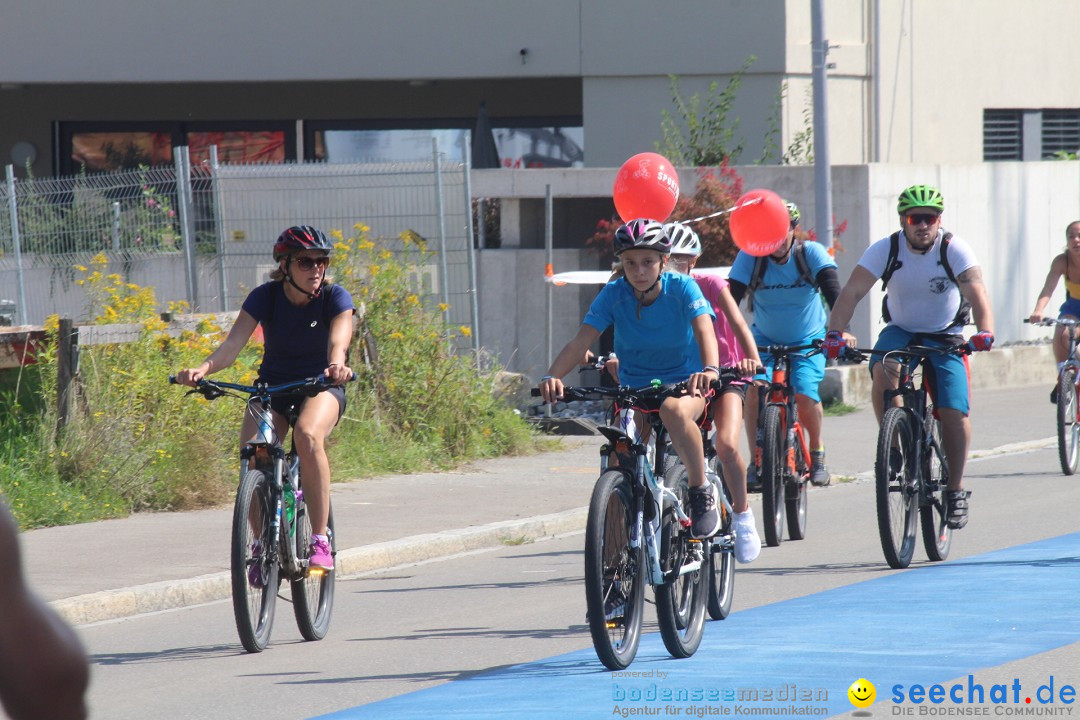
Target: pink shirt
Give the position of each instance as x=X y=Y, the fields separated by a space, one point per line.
x=731 y=351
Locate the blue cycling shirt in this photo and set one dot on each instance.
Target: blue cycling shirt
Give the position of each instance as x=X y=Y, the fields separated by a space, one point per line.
x=787 y=309
x=660 y=343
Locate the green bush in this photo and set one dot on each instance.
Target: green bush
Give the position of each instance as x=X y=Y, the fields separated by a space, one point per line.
x=134 y=443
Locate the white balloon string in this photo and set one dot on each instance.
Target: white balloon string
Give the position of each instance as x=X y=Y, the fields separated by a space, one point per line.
x=718 y=213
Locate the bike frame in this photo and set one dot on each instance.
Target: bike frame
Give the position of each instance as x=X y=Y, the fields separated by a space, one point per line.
x=781 y=393
x=647 y=458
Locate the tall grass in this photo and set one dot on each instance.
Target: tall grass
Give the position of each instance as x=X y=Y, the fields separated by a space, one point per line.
x=135 y=443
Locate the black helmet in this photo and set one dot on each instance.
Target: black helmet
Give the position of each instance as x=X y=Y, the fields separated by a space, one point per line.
x=301 y=237
x=642 y=234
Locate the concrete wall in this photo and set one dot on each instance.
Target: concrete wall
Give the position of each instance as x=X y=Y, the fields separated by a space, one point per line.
x=912 y=78
x=1013 y=214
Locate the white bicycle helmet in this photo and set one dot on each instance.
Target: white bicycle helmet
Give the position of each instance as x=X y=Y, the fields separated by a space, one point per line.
x=642 y=234
x=684 y=241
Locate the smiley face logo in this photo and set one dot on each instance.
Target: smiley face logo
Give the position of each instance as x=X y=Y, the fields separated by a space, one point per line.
x=862 y=693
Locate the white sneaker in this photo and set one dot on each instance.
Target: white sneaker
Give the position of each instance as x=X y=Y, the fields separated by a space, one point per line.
x=747 y=541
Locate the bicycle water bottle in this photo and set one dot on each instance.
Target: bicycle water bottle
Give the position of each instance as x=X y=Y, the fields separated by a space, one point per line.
x=289 y=491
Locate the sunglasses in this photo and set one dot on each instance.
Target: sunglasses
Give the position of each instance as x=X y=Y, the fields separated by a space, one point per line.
x=920 y=218
x=307 y=263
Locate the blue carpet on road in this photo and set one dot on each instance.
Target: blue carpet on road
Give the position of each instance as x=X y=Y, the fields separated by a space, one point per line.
x=926 y=625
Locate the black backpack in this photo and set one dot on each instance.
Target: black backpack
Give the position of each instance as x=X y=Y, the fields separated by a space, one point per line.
x=963 y=313
x=798 y=255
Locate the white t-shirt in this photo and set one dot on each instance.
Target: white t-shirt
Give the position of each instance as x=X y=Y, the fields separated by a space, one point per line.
x=922 y=298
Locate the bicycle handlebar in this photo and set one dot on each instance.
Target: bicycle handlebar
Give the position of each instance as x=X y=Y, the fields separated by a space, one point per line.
x=570 y=393
x=1049 y=322
x=860 y=354
x=814 y=347
x=211 y=389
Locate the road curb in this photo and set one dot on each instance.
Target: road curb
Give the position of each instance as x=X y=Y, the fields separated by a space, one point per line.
x=174 y=594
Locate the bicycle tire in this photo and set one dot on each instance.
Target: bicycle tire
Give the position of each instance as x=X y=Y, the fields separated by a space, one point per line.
x=773 y=462
x=897 y=494
x=253 y=605
x=796 y=500
x=312 y=595
x=1068 y=429
x=681 y=600
x=933 y=512
x=721 y=557
x=614 y=572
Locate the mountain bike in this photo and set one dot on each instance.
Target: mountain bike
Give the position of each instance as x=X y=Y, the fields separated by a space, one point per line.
x=271 y=531
x=1068 y=404
x=911 y=474
x=781 y=453
x=638 y=534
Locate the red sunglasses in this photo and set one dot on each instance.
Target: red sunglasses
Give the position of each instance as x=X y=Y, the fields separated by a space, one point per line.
x=920 y=218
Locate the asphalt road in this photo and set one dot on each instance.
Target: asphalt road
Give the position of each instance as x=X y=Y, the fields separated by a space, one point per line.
x=444 y=627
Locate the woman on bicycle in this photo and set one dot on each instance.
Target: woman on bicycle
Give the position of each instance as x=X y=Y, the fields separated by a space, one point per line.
x=663 y=330
x=307 y=325
x=1066 y=265
x=736 y=348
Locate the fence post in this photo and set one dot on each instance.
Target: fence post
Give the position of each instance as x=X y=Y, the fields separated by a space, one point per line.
x=182 y=165
x=116 y=226
x=444 y=280
x=13 y=208
x=474 y=309
x=67 y=367
x=215 y=171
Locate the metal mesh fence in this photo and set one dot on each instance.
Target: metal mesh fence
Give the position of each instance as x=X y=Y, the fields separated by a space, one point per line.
x=134 y=224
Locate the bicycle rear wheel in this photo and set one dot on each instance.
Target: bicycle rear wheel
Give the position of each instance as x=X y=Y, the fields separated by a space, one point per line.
x=897 y=494
x=614 y=572
x=254 y=569
x=1068 y=429
x=312 y=594
x=936 y=533
x=720 y=554
x=773 y=462
x=680 y=601
x=795 y=497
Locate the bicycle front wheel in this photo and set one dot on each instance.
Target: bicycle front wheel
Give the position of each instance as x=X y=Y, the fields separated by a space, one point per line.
x=936 y=533
x=614 y=572
x=897 y=494
x=680 y=600
x=312 y=594
x=720 y=555
x=254 y=562
x=773 y=462
x=1068 y=429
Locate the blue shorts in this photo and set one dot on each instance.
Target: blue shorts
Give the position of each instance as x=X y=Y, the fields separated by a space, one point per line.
x=805 y=373
x=1070 y=307
x=949 y=380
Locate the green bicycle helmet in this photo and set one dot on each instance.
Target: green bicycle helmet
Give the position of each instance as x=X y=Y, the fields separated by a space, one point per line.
x=793 y=213
x=920 y=196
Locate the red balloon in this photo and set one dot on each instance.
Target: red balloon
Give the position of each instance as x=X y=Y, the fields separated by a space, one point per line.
x=646 y=186
x=760 y=222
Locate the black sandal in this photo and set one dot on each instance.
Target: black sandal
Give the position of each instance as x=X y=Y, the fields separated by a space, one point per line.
x=957 y=508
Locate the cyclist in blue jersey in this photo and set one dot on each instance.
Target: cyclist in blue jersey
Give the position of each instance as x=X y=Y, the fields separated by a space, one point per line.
x=663 y=330
x=784 y=291
x=307 y=325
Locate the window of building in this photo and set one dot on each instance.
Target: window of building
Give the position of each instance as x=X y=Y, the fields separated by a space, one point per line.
x=101 y=147
x=1044 y=134
x=551 y=142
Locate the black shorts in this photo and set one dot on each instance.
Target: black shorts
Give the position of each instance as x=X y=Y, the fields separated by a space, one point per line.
x=282 y=404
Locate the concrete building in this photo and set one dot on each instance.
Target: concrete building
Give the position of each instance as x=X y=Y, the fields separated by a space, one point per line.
x=582 y=81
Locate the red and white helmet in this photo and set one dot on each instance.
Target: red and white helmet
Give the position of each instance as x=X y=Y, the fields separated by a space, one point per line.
x=642 y=234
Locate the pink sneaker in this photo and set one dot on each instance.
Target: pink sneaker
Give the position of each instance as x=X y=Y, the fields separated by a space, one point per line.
x=320 y=555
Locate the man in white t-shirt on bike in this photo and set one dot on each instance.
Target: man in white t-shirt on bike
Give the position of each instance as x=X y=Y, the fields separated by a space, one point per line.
x=932 y=274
